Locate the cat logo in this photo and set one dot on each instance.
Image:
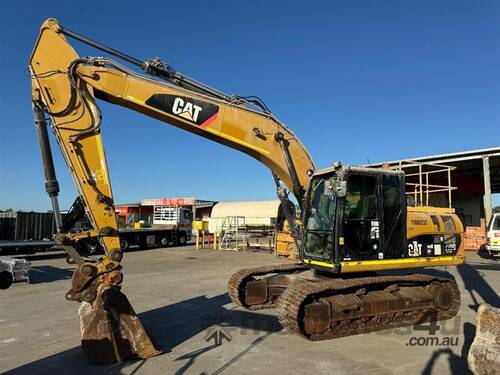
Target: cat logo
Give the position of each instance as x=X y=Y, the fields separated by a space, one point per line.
x=193 y=110
x=186 y=109
x=414 y=249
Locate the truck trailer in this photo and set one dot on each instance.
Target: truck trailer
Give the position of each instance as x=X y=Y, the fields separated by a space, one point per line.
x=26 y=232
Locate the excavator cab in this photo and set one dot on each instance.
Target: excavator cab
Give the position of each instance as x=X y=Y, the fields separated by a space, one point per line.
x=354 y=213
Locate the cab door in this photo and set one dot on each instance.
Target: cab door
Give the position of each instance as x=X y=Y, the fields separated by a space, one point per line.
x=393 y=213
x=361 y=218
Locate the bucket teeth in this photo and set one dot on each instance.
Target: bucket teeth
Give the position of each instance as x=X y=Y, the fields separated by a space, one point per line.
x=111 y=331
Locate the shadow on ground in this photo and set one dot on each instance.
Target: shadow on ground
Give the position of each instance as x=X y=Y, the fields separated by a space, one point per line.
x=476 y=285
x=47 y=274
x=473 y=279
x=457 y=363
x=170 y=326
x=174 y=324
x=483 y=253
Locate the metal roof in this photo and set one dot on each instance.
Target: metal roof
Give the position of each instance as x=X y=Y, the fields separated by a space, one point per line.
x=466 y=163
x=450 y=157
x=249 y=209
x=128 y=205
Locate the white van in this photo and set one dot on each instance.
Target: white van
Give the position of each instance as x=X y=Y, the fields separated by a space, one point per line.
x=493 y=236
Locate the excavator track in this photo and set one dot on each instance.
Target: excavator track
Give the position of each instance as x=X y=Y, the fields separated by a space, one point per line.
x=237 y=282
x=304 y=294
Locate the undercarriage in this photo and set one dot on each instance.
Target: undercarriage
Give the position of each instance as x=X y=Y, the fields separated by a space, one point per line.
x=318 y=306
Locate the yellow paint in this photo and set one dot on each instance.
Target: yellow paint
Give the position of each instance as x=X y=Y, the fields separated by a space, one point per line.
x=430 y=209
x=52 y=53
x=390 y=264
x=135 y=100
x=318 y=263
x=419 y=222
x=213 y=131
x=341 y=240
x=237 y=140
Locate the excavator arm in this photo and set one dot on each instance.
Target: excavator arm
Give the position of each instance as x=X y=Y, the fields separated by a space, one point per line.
x=65 y=87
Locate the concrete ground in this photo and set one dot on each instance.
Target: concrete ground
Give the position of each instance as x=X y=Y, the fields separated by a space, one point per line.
x=180 y=295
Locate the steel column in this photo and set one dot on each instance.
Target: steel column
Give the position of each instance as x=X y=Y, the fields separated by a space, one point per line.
x=487 y=189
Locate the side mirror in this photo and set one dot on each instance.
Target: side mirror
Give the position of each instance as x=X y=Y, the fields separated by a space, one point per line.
x=340 y=188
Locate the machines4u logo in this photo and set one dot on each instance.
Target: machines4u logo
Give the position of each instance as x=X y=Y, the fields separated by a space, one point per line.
x=193 y=110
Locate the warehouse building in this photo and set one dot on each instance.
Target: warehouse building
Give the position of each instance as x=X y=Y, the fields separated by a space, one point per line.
x=475 y=176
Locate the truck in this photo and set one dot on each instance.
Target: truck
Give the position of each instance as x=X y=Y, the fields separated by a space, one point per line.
x=170 y=225
x=493 y=236
x=26 y=233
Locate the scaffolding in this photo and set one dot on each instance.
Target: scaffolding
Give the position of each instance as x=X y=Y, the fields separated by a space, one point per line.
x=234 y=233
x=418 y=180
x=237 y=234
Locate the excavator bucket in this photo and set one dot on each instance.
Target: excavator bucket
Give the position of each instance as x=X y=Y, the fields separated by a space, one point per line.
x=111 y=331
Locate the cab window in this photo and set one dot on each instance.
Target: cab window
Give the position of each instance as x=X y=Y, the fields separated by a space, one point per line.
x=495 y=223
x=391 y=201
x=321 y=207
x=361 y=198
x=320 y=219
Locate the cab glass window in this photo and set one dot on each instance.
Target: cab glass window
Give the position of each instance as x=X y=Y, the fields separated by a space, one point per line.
x=391 y=201
x=320 y=218
x=321 y=208
x=361 y=198
x=495 y=225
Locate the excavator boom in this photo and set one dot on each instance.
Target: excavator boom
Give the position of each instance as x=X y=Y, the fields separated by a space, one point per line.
x=65 y=86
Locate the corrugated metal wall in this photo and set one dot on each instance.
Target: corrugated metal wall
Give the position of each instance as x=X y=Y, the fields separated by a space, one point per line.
x=22 y=226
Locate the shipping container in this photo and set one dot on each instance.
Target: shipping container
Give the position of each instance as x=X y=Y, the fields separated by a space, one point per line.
x=26 y=226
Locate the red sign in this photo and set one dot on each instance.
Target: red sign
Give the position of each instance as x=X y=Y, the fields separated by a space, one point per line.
x=121 y=210
x=169 y=202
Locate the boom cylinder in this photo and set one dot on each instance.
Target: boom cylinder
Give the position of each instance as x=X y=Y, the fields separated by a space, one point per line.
x=51 y=184
x=285 y=203
x=298 y=190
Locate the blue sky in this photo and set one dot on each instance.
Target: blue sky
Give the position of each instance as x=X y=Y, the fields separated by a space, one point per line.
x=355 y=80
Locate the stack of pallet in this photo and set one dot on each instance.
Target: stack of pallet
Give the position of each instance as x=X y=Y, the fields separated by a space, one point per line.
x=474 y=238
x=285 y=246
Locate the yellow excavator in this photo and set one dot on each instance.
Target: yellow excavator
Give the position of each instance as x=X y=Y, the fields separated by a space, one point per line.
x=354 y=221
